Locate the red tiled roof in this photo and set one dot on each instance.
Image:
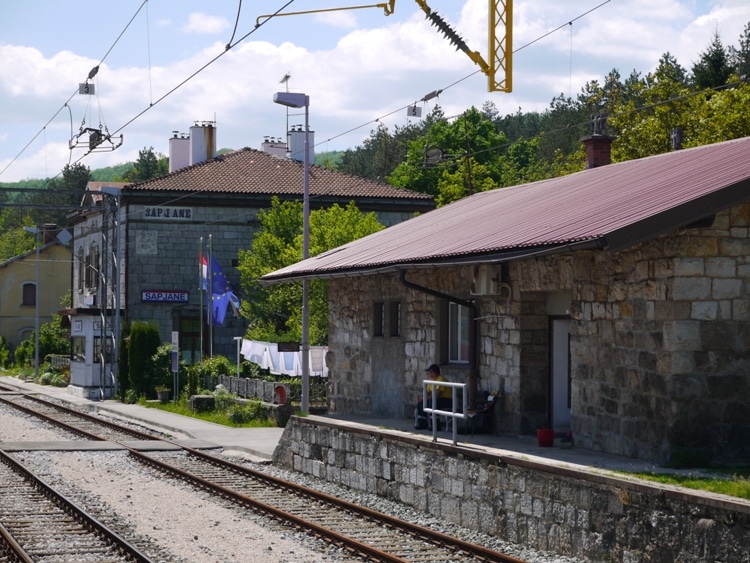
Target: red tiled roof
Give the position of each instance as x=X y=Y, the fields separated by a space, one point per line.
x=612 y=206
x=249 y=171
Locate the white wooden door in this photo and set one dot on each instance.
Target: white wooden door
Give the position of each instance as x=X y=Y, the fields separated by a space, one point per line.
x=560 y=375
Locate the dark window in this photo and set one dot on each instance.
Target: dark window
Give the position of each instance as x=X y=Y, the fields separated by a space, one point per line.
x=78 y=349
x=80 y=269
x=98 y=349
x=190 y=340
x=394 y=318
x=29 y=295
x=378 y=312
x=95 y=266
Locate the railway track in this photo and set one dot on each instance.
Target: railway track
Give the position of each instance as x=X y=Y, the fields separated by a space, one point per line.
x=39 y=524
x=80 y=423
x=366 y=533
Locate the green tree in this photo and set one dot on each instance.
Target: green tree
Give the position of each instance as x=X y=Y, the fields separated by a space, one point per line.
x=380 y=153
x=444 y=149
x=61 y=194
x=149 y=165
x=14 y=242
x=661 y=103
x=713 y=67
x=740 y=56
x=275 y=312
x=53 y=339
x=144 y=343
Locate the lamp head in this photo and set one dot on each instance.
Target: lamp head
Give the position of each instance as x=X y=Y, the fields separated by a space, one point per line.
x=292 y=99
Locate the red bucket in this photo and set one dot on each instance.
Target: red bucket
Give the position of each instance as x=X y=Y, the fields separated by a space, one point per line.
x=545 y=437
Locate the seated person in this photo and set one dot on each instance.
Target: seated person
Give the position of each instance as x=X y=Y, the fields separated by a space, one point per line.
x=444 y=394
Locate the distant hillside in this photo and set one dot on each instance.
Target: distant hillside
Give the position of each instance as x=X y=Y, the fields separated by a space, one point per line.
x=328 y=159
x=111 y=173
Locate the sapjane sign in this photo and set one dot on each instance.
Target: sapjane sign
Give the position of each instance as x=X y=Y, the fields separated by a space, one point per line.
x=165 y=296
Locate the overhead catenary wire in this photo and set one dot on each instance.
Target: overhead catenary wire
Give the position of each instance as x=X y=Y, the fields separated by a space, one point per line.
x=439 y=91
x=65 y=104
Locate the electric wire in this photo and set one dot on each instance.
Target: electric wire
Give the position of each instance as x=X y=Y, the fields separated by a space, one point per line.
x=51 y=119
x=377 y=119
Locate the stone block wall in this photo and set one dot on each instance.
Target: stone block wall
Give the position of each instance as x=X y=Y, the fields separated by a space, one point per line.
x=558 y=509
x=660 y=344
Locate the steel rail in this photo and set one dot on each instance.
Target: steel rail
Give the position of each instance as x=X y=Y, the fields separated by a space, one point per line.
x=137 y=434
x=427 y=534
x=18 y=552
x=68 y=506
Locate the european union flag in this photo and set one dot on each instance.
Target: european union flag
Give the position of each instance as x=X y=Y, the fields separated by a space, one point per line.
x=221 y=293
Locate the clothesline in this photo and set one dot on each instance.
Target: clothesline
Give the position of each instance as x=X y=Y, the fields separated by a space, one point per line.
x=267 y=356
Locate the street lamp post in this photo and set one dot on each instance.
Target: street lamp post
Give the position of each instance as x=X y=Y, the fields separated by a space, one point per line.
x=299 y=100
x=35 y=232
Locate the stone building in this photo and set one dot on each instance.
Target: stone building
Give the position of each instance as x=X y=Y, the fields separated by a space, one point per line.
x=155 y=228
x=613 y=303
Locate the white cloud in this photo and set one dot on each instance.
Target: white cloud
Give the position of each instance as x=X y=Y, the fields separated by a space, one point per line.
x=357 y=66
x=205 y=24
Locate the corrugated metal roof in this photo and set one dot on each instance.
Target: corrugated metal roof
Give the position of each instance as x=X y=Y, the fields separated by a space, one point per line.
x=611 y=206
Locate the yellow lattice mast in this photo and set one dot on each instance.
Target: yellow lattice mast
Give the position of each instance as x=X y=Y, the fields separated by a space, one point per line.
x=499 y=70
x=500 y=48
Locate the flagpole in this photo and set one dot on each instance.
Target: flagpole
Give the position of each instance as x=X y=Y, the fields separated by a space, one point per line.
x=211 y=293
x=202 y=298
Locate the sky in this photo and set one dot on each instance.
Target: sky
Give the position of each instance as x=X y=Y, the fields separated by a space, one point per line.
x=164 y=65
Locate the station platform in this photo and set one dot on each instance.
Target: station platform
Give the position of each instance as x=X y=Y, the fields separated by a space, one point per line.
x=258 y=444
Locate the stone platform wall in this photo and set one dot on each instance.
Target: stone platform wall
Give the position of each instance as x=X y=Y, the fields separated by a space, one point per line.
x=547 y=507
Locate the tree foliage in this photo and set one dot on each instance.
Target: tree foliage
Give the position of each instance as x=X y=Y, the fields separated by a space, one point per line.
x=143 y=344
x=149 y=165
x=713 y=67
x=275 y=313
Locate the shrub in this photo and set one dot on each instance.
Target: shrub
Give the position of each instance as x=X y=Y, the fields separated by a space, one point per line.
x=242 y=414
x=161 y=368
x=224 y=399
x=209 y=369
x=54 y=378
x=4 y=353
x=144 y=342
x=24 y=353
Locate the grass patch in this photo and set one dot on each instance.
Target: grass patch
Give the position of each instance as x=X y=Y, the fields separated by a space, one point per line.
x=225 y=418
x=733 y=481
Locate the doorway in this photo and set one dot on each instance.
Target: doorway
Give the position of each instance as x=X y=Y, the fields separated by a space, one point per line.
x=560 y=373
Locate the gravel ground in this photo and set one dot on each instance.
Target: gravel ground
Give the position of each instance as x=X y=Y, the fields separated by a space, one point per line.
x=179 y=524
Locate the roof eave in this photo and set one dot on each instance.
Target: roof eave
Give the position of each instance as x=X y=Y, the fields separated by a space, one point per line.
x=473 y=259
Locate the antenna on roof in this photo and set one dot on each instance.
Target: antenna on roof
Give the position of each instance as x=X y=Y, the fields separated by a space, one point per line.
x=285 y=81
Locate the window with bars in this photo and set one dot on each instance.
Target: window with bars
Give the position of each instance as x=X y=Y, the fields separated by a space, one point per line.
x=80 y=268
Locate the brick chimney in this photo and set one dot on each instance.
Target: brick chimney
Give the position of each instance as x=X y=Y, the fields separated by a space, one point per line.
x=598 y=150
x=598 y=145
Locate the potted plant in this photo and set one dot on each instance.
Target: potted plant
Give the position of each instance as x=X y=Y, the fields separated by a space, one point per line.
x=162 y=393
x=545 y=437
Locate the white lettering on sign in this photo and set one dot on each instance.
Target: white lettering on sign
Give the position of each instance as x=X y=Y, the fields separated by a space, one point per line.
x=164 y=296
x=161 y=212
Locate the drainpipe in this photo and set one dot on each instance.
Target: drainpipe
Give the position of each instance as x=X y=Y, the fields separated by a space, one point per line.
x=473 y=332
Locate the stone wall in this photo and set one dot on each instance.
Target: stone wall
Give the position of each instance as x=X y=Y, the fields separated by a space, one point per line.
x=660 y=342
x=558 y=509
